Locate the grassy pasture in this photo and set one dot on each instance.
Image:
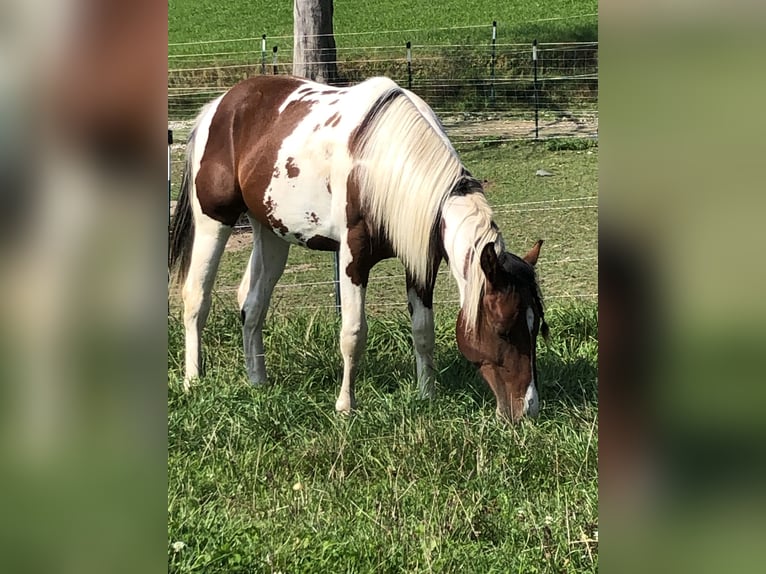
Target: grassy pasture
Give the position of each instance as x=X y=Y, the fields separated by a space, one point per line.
x=271 y=480
x=374 y=23
x=451 y=49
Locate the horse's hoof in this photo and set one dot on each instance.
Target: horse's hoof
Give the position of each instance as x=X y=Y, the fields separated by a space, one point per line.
x=345 y=408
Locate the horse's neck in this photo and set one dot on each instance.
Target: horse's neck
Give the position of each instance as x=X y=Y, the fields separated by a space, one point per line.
x=467 y=227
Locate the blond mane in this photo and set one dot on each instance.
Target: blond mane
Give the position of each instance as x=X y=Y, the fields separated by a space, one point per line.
x=477 y=223
x=405 y=170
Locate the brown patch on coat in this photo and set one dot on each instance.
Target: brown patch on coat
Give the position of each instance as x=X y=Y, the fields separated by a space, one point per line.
x=322 y=243
x=292 y=169
x=312 y=217
x=424 y=292
x=503 y=361
x=276 y=171
x=275 y=223
x=501 y=345
x=244 y=139
x=367 y=246
x=332 y=103
x=442 y=229
x=317 y=128
x=333 y=119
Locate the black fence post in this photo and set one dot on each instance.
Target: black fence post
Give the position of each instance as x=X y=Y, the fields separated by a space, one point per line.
x=537 y=102
x=409 y=65
x=263 y=54
x=170 y=142
x=492 y=64
x=274 y=49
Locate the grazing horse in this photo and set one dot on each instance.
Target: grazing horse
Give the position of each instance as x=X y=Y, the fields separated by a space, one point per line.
x=369 y=172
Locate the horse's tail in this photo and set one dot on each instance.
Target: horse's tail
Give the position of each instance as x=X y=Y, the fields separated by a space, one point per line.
x=181 y=236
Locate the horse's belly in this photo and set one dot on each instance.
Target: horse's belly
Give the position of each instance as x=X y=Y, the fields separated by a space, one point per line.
x=300 y=211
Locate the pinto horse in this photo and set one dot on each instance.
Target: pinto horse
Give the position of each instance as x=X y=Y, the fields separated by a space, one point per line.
x=366 y=171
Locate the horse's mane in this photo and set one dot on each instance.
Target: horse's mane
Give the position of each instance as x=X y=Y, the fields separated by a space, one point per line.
x=478 y=220
x=405 y=169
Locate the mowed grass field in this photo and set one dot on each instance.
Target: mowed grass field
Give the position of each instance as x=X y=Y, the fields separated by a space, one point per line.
x=454 y=65
x=381 y=22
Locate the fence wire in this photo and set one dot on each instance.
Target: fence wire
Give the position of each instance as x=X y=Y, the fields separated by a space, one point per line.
x=382 y=282
x=451 y=77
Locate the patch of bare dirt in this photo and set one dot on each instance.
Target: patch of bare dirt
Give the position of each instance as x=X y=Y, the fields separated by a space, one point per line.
x=240 y=240
x=563 y=125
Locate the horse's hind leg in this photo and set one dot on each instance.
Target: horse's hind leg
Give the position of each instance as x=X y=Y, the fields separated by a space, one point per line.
x=209 y=241
x=420 y=306
x=265 y=267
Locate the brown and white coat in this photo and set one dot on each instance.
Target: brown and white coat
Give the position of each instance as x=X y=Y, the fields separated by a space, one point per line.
x=366 y=171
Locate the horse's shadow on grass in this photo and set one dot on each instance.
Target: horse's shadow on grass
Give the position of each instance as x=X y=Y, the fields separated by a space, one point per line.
x=571 y=382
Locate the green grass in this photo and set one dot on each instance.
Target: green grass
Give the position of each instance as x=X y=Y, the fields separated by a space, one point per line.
x=384 y=21
x=451 y=49
x=271 y=479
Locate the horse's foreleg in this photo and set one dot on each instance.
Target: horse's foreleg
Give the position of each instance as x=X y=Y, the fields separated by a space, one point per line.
x=209 y=241
x=264 y=268
x=422 y=316
x=353 y=335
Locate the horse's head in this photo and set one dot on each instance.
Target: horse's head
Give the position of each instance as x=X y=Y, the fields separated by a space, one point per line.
x=502 y=344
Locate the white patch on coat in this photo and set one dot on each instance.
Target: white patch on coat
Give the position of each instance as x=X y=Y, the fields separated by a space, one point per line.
x=531 y=400
x=322 y=159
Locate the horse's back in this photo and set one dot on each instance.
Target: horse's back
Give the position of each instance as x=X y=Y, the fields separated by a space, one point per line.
x=278 y=148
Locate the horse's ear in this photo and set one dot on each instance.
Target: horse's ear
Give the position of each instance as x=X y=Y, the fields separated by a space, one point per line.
x=489 y=262
x=534 y=253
